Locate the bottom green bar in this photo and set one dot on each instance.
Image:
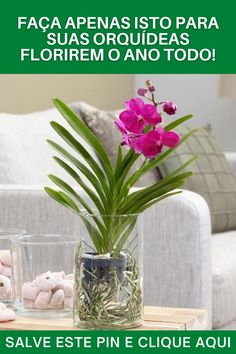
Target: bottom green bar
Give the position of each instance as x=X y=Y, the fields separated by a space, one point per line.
x=118 y=341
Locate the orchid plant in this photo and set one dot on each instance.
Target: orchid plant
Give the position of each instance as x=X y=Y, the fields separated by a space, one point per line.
x=143 y=132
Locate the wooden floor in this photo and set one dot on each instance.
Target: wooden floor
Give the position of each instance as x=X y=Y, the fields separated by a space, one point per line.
x=155 y=318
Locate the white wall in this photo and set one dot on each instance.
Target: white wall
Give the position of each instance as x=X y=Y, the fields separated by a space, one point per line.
x=28 y=93
x=198 y=94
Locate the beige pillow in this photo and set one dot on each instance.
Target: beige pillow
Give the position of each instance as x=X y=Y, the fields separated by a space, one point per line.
x=213 y=177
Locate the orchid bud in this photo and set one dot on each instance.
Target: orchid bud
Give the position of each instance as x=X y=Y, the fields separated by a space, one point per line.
x=142 y=91
x=169 y=107
x=152 y=88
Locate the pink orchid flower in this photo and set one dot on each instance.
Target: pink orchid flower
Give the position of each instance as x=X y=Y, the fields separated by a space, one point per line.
x=137 y=116
x=131 y=141
x=151 y=143
x=120 y=125
x=170 y=139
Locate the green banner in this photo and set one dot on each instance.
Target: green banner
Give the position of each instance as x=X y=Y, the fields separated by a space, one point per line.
x=122 y=341
x=118 y=37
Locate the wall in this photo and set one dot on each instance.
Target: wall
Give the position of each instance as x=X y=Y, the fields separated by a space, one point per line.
x=27 y=93
x=198 y=94
x=228 y=85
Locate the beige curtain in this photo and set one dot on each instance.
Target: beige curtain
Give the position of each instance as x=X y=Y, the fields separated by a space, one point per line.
x=227 y=87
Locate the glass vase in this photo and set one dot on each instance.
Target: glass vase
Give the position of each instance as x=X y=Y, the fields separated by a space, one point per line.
x=108 y=273
x=6 y=286
x=43 y=274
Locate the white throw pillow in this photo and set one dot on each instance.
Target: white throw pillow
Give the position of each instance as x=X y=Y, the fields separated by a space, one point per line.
x=25 y=156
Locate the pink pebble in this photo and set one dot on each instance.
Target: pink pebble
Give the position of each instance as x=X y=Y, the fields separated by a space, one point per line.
x=67 y=286
x=7 y=315
x=5 y=257
x=46 y=281
x=57 y=299
x=29 y=304
x=69 y=277
x=59 y=275
x=68 y=302
x=43 y=299
x=5 y=287
x=2 y=305
x=50 y=290
x=30 y=291
x=9 y=294
x=6 y=271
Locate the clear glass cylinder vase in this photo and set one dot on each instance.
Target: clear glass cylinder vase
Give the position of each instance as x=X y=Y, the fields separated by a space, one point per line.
x=43 y=274
x=6 y=279
x=108 y=272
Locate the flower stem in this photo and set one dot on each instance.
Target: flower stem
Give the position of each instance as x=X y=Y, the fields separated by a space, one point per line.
x=149 y=84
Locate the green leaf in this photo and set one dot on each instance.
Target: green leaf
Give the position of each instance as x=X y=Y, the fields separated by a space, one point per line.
x=121 y=240
x=94 y=235
x=125 y=171
x=164 y=180
x=71 y=141
x=177 y=122
x=135 y=197
x=183 y=166
x=76 y=177
x=80 y=128
x=130 y=209
x=118 y=159
x=87 y=173
x=128 y=156
x=111 y=196
x=64 y=200
x=126 y=229
x=69 y=200
x=157 y=200
x=151 y=165
x=61 y=200
x=68 y=189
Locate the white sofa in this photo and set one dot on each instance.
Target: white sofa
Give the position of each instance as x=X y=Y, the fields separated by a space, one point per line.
x=184 y=265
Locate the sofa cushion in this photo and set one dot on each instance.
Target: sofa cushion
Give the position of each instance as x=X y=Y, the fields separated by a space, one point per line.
x=224 y=278
x=25 y=156
x=231 y=158
x=213 y=177
x=102 y=124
